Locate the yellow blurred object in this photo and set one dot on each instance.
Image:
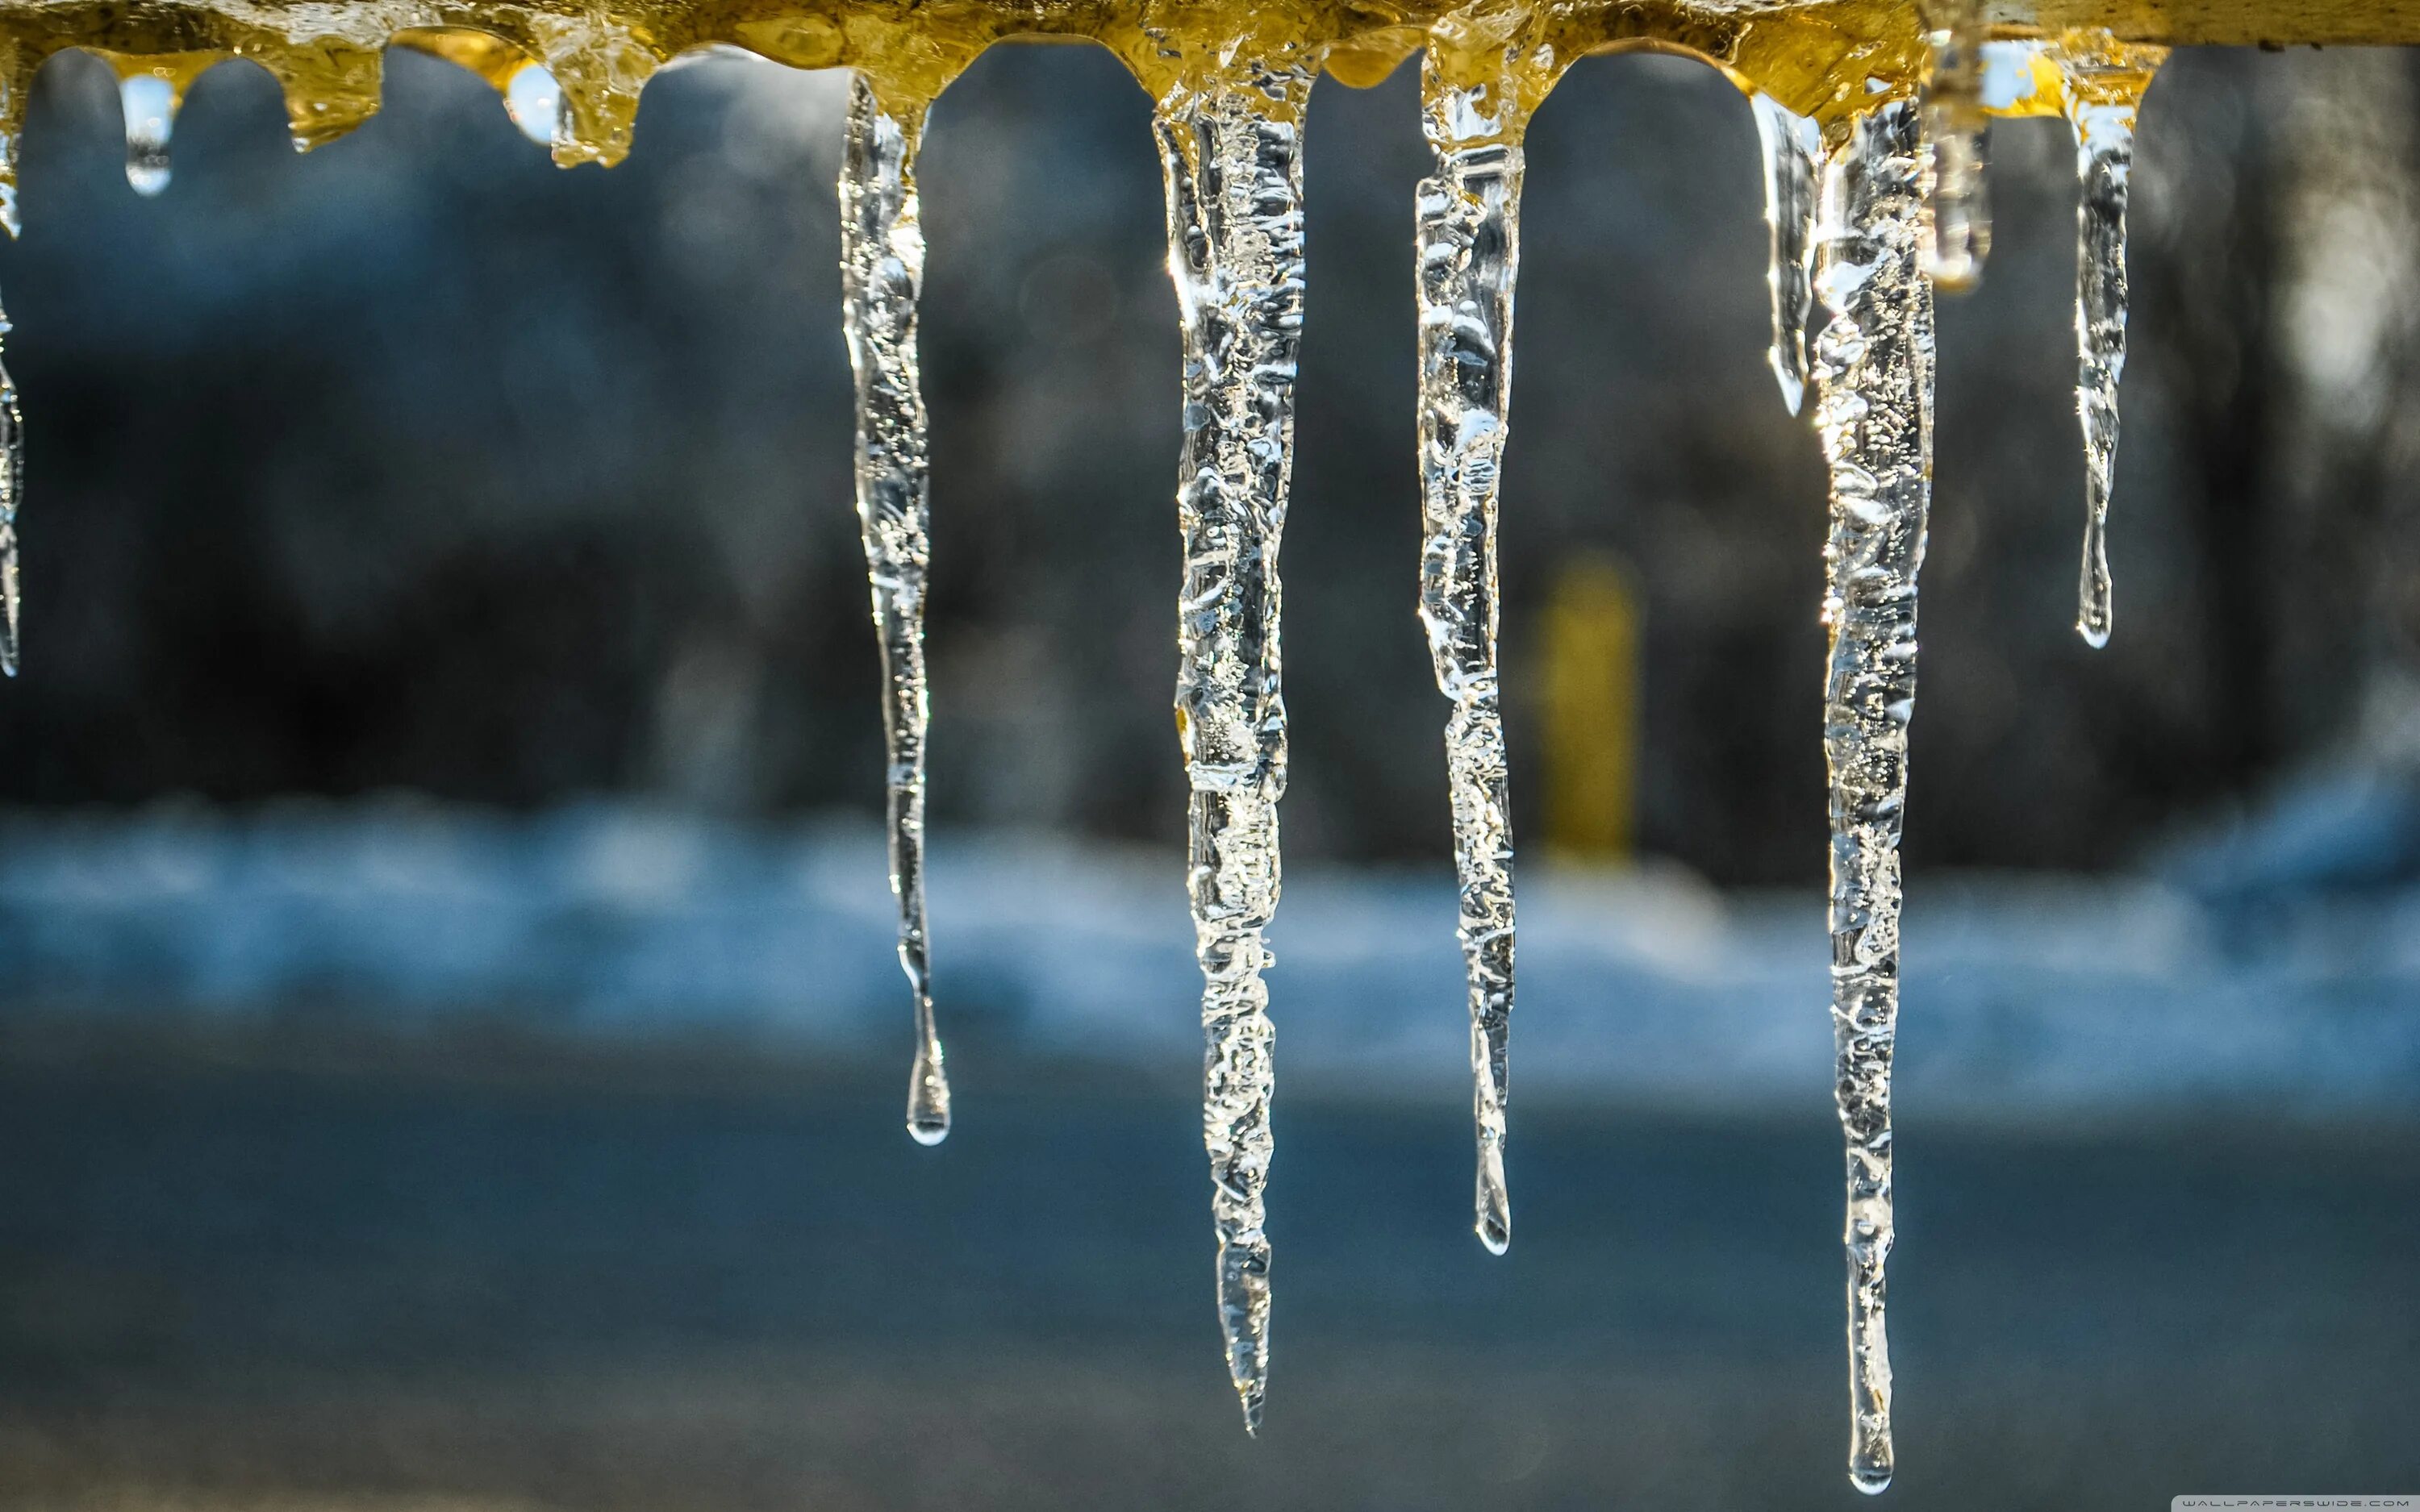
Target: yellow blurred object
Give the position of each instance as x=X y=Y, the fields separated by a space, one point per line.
x=1591 y=708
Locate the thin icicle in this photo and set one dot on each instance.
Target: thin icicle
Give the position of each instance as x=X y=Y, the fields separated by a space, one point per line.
x=2103 y=88
x=1872 y=369
x=1954 y=125
x=882 y=273
x=1469 y=252
x=16 y=82
x=1793 y=149
x=13 y=492
x=150 y=104
x=1229 y=141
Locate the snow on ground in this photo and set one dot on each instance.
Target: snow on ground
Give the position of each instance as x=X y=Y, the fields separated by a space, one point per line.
x=2025 y=996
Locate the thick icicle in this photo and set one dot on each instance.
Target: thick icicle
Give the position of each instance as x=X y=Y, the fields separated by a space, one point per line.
x=1873 y=367
x=1793 y=146
x=882 y=273
x=2103 y=88
x=1469 y=252
x=1954 y=124
x=150 y=104
x=12 y=492
x=1230 y=140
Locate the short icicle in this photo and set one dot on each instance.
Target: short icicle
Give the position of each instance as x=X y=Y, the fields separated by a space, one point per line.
x=2103 y=84
x=882 y=274
x=1468 y=253
x=17 y=65
x=150 y=103
x=1873 y=367
x=1230 y=136
x=1959 y=209
x=1793 y=149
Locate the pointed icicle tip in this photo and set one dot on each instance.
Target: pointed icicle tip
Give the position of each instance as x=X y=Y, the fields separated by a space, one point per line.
x=150 y=103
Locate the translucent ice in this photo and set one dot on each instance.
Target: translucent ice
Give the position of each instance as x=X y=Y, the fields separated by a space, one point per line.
x=1230 y=136
x=882 y=276
x=1873 y=367
x=1467 y=253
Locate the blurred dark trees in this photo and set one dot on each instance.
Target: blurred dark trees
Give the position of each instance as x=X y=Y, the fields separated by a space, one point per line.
x=417 y=463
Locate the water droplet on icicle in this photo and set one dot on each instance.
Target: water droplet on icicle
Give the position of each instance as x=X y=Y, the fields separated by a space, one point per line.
x=535 y=101
x=1230 y=152
x=1793 y=146
x=150 y=103
x=1467 y=255
x=2102 y=83
x=1958 y=208
x=13 y=492
x=882 y=275
x=1872 y=368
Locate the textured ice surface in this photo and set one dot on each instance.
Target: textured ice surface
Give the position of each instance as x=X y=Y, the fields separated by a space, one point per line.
x=1230 y=152
x=1873 y=369
x=1466 y=254
x=882 y=276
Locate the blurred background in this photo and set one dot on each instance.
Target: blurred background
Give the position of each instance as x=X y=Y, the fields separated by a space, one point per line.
x=452 y=1053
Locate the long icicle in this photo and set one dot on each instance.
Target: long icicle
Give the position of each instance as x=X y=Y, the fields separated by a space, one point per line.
x=1873 y=368
x=2103 y=84
x=882 y=273
x=1793 y=147
x=1230 y=142
x=13 y=492
x=1469 y=252
x=16 y=79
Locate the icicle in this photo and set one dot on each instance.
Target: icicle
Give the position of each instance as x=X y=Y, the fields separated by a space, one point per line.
x=150 y=103
x=1872 y=366
x=1230 y=140
x=1793 y=146
x=1469 y=252
x=601 y=66
x=17 y=64
x=535 y=101
x=331 y=86
x=1954 y=124
x=882 y=273
x=12 y=492
x=2103 y=85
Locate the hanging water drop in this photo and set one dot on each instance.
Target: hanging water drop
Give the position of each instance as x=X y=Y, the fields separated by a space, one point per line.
x=1468 y=253
x=535 y=101
x=2103 y=86
x=1793 y=146
x=882 y=275
x=1230 y=152
x=1955 y=197
x=12 y=492
x=150 y=103
x=1872 y=369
